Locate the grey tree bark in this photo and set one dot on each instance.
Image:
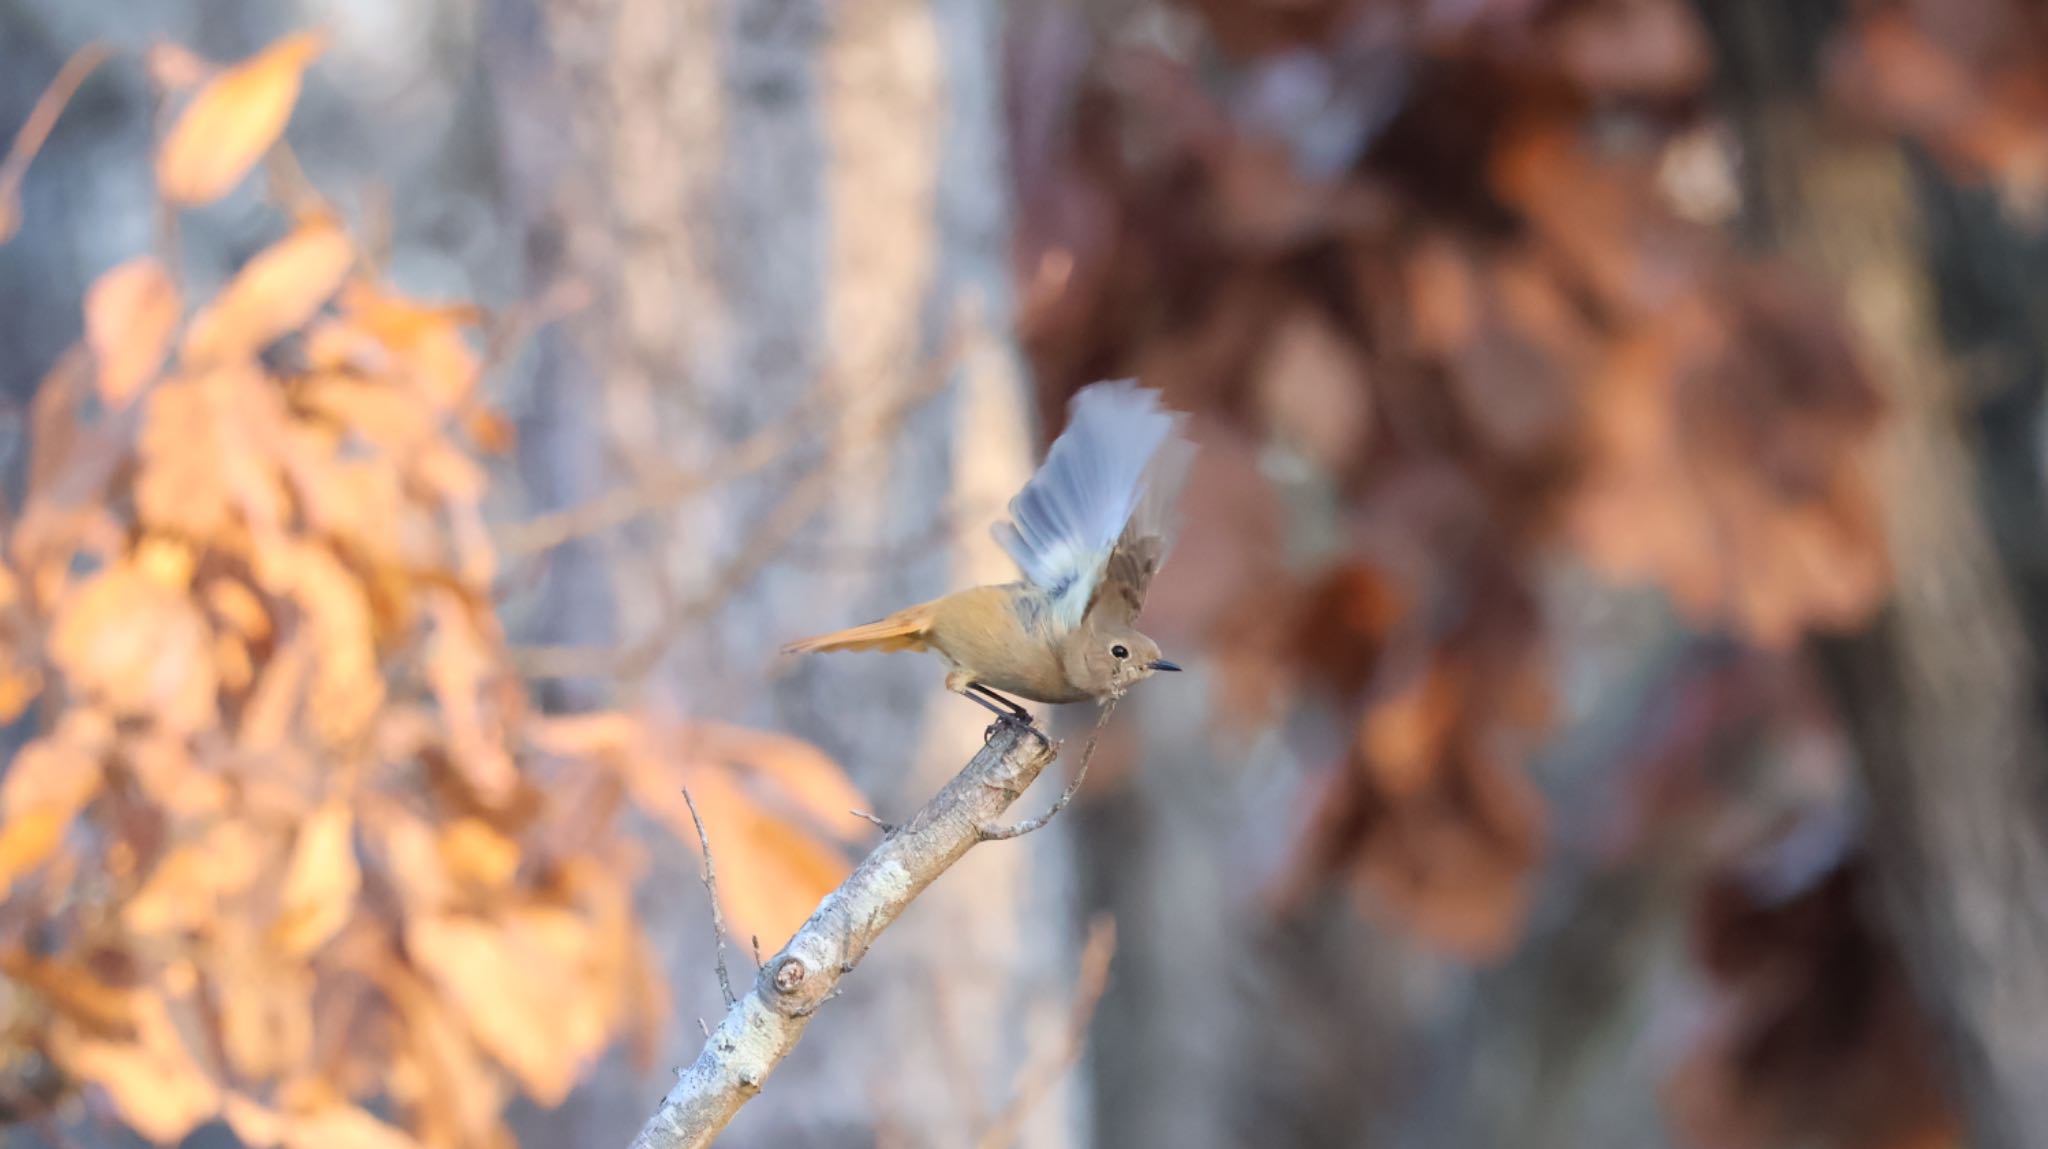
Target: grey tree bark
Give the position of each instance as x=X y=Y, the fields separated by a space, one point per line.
x=1944 y=689
x=794 y=211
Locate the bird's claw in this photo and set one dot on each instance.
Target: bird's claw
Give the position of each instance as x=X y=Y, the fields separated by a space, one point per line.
x=1029 y=725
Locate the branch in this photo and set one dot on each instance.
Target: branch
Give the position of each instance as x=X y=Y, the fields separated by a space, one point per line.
x=759 y=1031
x=994 y=833
x=710 y=877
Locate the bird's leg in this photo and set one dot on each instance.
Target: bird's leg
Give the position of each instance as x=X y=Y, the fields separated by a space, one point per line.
x=1016 y=710
x=1006 y=710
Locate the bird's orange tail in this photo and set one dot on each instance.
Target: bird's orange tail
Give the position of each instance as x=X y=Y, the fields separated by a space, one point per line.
x=907 y=629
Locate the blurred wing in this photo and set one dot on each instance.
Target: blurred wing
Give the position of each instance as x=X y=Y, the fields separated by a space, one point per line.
x=1147 y=537
x=1065 y=523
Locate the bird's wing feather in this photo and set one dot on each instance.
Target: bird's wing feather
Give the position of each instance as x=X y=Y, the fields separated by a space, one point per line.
x=1147 y=537
x=1065 y=523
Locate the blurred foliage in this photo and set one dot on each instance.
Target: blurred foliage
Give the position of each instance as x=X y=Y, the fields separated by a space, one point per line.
x=290 y=848
x=1464 y=281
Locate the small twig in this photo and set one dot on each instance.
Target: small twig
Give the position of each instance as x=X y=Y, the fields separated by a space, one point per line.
x=765 y=544
x=762 y=449
x=992 y=833
x=1039 y=1078
x=757 y=952
x=36 y=130
x=710 y=876
x=884 y=827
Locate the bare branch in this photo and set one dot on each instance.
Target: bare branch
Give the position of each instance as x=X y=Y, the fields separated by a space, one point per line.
x=765 y=543
x=710 y=877
x=1045 y=1072
x=766 y=1023
x=993 y=833
x=36 y=129
x=766 y=447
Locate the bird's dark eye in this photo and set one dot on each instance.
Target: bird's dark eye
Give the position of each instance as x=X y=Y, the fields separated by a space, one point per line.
x=1120 y=650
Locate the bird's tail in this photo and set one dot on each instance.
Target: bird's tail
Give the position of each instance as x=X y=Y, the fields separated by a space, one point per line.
x=907 y=629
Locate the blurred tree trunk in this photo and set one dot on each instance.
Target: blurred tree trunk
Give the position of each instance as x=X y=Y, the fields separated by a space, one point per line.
x=784 y=209
x=1943 y=690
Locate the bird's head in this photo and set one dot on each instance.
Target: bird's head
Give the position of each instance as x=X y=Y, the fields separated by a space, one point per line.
x=1106 y=661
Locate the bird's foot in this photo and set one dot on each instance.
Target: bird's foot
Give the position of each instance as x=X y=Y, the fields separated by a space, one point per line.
x=1020 y=720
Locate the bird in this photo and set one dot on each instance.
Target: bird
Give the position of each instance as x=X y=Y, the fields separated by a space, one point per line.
x=1087 y=532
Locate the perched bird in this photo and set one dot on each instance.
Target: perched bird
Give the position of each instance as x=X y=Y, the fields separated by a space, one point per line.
x=1087 y=532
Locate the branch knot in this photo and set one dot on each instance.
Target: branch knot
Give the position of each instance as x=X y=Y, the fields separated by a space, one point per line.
x=790 y=973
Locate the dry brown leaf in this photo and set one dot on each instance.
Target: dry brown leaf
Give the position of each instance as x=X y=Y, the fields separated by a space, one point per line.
x=344 y=1127
x=410 y=857
x=163 y=764
x=131 y=313
x=771 y=874
x=139 y=644
x=478 y=854
x=321 y=885
x=238 y=609
x=282 y=288
x=53 y=773
x=435 y=361
x=72 y=991
x=463 y=667
x=26 y=841
x=459 y=1092
x=185 y=889
x=391 y=419
x=233 y=120
x=347 y=687
x=157 y=1086
x=265 y=1000
x=798 y=777
x=1405 y=736
x=519 y=993
x=359 y=501
x=1313 y=391
x=209 y=445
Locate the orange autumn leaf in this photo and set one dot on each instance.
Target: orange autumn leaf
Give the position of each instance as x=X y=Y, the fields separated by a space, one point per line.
x=131 y=313
x=233 y=120
x=281 y=288
x=26 y=841
x=474 y=852
x=207 y=455
x=771 y=870
x=771 y=874
x=462 y=666
x=266 y=1001
x=459 y=1088
x=156 y=1084
x=344 y=1127
x=518 y=986
x=794 y=776
x=51 y=773
x=320 y=887
x=138 y=643
x=346 y=687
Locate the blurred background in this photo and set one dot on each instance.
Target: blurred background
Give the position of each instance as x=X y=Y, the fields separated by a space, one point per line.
x=1612 y=583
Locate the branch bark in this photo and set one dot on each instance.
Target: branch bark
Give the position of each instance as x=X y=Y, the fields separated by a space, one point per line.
x=764 y=1025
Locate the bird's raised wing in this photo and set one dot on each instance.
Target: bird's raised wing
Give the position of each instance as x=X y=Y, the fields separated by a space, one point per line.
x=1065 y=524
x=1147 y=536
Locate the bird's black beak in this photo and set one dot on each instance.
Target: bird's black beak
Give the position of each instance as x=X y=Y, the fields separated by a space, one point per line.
x=1162 y=664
